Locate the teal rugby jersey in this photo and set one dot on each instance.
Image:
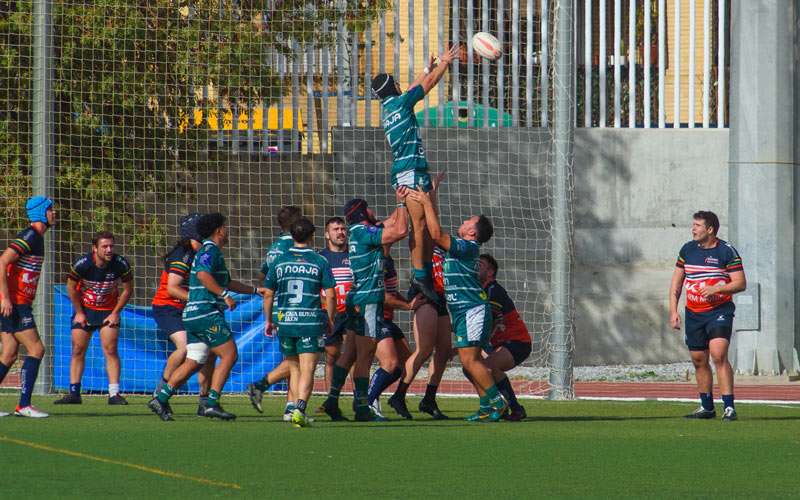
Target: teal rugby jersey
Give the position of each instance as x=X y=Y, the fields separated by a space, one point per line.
x=297 y=277
x=278 y=247
x=461 y=285
x=202 y=303
x=366 y=261
x=402 y=131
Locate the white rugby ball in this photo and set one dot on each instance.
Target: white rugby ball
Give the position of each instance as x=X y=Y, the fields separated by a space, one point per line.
x=486 y=45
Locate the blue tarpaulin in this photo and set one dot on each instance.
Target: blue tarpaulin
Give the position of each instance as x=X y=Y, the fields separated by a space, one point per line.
x=143 y=350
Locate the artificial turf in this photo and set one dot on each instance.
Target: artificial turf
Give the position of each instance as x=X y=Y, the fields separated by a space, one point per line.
x=564 y=449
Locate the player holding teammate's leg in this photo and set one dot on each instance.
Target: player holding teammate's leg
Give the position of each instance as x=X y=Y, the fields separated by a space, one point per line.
x=510 y=343
x=92 y=287
x=432 y=335
x=392 y=349
x=294 y=281
x=711 y=271
x=210 y=285
x=467 y=302
x=20 y=267
x=409 y=165
x=170 y=299
x=365 y=300
x=287 y=216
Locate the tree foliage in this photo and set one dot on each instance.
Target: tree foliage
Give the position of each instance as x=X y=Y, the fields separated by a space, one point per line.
x=127 y=74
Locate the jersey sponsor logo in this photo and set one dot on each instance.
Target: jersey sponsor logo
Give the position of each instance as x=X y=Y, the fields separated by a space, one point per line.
x=391 y=119
x=712 y=260
x=292 y=316
x=297 y=269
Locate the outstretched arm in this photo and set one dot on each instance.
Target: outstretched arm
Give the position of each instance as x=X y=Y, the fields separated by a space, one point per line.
x=428 y=81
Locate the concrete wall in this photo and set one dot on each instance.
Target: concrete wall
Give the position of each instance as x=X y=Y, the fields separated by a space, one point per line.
x=635 y=193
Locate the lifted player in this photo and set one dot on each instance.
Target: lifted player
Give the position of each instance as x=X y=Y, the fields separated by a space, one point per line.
x=210 y=288
x=409 y=165
x=295 y=280
x=287 y=216
x=20 y=267
x=365 y=300
x=170 y=300
x=510 y=340
x=92 y=287
x=466 y=301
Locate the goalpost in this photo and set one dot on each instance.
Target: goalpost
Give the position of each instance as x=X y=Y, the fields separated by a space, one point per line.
x=131 y=116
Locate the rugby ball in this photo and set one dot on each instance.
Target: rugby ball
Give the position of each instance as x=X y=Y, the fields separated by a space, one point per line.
x=487 y=46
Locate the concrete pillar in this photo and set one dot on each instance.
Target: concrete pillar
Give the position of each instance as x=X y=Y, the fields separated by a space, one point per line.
x=762 y=160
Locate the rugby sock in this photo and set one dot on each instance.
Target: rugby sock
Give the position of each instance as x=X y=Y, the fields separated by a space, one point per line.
x=290 y=406
x=203 y=400
x=75 y=389
x=301 y=405
x=113 y=390
x=707 y=400
x=3 y=371
x=263 y=384
x=339 y=376
x=430 y=392
x=165 y=393
x=381 y=379
x=362 y=384
x=213 y=398
x=727 y=400
x=494 y=398
x=505 y=388
x=402 y=389
x=30 y=369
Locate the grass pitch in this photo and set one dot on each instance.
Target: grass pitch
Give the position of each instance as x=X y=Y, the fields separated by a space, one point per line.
x=564 y=449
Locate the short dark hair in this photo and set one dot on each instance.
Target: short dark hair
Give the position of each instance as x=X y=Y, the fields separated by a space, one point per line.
x=302 y=230
x=491 y=261
x=209 y=223
x=288 y=215
x=102 y=235
x=709 y=218
x=484 y=228
x=334 y=220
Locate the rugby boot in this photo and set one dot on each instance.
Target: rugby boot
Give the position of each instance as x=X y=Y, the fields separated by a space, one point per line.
x=30 y=411
x=255 y=395
x=218 y=412
x=515 y=415
x=163 y=410
x=481 y=415
x=729 y=415
x=399 y=405
x=69 y=399
x=702 y=413
x=432 y=409
x=117 y=399
x=331 y=408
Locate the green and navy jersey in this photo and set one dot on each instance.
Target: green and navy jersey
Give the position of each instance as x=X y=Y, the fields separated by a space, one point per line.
x=202 y=303
x=402 y=130
x=297 y=277
x=461 y=285
x=278 y=247
x=366 y=261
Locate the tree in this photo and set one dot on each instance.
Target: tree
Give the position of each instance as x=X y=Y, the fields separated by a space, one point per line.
x=127 y=74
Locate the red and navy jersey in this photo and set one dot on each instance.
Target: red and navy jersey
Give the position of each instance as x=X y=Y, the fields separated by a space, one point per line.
x=23 y=275
x=707 y=267
x=507 y=323
x=98 y=286
x=178 y=262
x=391 y=283
x=342 y=274
x=438 y=269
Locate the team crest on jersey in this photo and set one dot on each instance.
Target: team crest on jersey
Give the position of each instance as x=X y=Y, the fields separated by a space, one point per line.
x=280 y=315
x=213 y=328
x=483 y=295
